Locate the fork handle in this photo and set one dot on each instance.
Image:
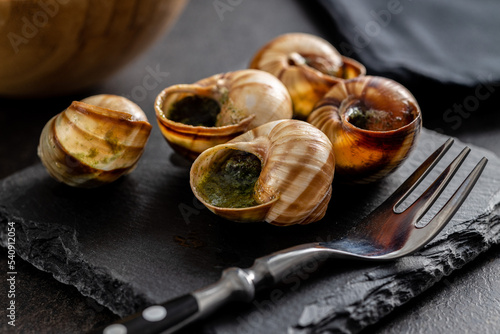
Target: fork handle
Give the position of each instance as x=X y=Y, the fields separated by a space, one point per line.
x=236 y=284
x=156 y=318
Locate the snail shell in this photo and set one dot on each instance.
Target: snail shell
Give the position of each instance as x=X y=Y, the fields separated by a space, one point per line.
x=94 y=141
x=294 y=184
x=308 y=66
x=244 y=99
x=372 y=122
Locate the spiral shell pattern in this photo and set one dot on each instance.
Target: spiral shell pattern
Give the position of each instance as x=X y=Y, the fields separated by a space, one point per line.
x=367 y=155
x=294 y=186
x=247 y=99
x=94 y=141
x=308 y=66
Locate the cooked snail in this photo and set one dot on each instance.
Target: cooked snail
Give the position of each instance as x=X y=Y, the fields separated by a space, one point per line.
x=94 y=141
x=280 y=172
x=214 y=110
x=372 y=122
x=308 y=66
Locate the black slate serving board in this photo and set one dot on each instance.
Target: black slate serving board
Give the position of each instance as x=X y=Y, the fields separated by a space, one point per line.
x=145 y=239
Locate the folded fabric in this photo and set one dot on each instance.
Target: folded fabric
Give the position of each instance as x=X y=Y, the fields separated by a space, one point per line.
x=449 y=41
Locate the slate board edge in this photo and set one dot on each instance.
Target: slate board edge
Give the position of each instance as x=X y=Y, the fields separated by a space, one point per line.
x=325 y=316
x=82 y=275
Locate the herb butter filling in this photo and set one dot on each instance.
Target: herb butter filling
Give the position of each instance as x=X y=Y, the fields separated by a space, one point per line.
x=230 y=184
x=377 y=120
x=195 y=110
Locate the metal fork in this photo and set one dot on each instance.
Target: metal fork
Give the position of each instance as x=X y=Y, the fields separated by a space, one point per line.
x=383 y=235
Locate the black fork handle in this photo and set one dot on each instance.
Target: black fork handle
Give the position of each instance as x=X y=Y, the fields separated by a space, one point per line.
x=156 y=318
x=236 y=284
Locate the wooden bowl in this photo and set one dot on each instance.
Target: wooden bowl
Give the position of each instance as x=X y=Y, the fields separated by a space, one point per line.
x=54 y=47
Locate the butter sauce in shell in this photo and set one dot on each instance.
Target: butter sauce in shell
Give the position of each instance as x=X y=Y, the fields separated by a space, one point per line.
x=247 y=99
x=295 y=183
x=367 y=155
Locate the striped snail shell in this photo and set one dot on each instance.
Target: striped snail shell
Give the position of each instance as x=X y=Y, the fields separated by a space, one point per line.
x=94 y=141
x=214 y=110
x=308 y=66
x=280 y=173
x=373 y=124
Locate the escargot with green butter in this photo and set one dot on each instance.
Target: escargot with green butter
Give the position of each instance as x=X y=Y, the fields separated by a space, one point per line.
x=280 y=173
x=214 y=110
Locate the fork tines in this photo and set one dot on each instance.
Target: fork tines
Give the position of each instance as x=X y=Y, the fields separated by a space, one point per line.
x=418 y=209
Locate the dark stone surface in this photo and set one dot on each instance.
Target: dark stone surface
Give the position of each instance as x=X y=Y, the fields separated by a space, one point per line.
x=202 y=44
x=41 y=297
x=144 y=239
x=464 y=302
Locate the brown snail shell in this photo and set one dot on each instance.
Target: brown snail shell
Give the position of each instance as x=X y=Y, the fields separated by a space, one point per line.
x=246 y=98
x=308 y=66
x=392 y=122
x=294 y=184
x=94 y=141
